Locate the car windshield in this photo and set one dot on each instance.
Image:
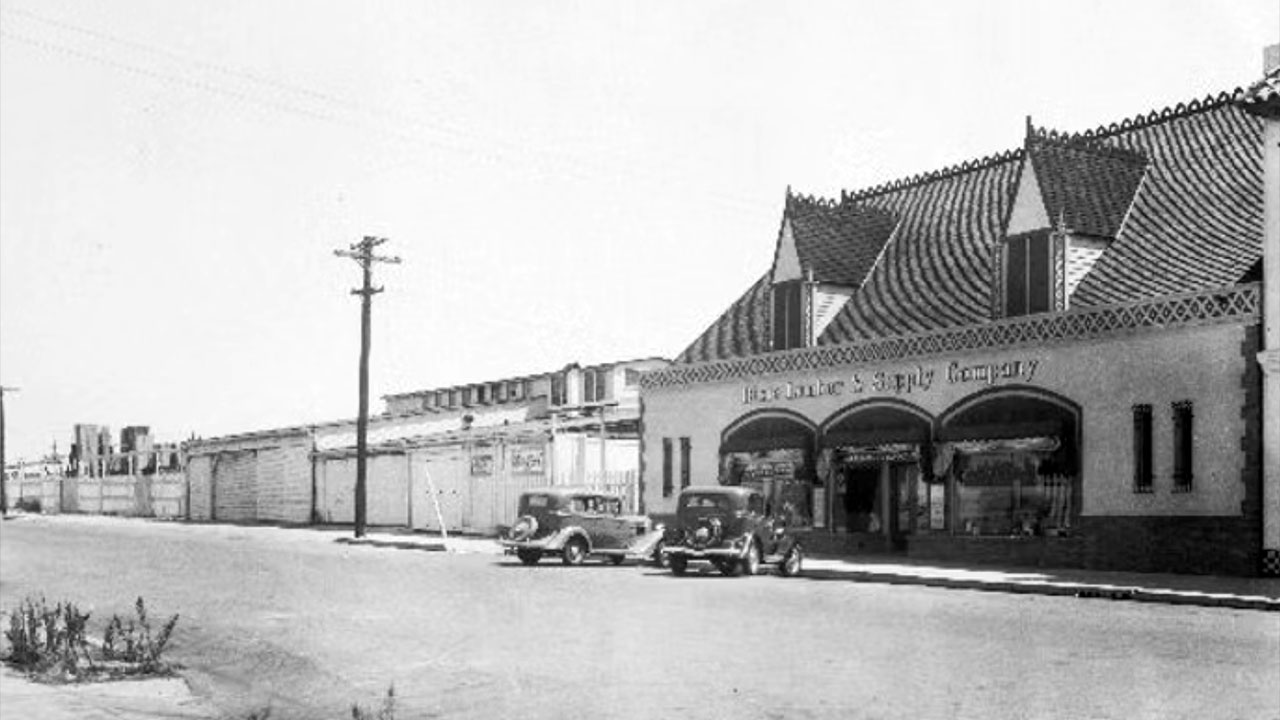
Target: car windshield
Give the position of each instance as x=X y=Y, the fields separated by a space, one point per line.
x=719 y=502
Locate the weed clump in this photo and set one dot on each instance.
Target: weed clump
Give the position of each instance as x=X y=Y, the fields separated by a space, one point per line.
x=386 y=712
x=51 y=643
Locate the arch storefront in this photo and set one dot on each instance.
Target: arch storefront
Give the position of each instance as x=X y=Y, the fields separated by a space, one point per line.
x=873 y=454
x=772 y=451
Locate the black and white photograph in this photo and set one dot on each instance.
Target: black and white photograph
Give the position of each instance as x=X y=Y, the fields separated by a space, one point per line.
x=722 y=359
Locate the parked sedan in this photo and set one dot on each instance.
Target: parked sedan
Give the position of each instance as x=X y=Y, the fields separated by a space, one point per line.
x=733 y=529
x=577 y=523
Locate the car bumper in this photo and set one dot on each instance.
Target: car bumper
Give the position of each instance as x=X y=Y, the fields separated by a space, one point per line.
x=547 y=544
x=689 y=553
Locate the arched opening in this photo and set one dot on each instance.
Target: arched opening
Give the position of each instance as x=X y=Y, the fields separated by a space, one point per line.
x=773 y=451
x=1011 y=457
x=873 y=463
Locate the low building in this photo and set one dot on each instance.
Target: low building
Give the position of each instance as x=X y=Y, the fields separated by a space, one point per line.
x=1047 y=356
x=453 y=458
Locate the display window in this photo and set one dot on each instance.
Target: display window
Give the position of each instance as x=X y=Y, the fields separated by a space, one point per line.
x=1009 y=487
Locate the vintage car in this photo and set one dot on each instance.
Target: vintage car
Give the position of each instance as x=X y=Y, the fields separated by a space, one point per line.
x=576 y=523
x=733 y=529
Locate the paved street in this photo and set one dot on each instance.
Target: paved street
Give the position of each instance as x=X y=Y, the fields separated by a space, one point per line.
x=291 y=619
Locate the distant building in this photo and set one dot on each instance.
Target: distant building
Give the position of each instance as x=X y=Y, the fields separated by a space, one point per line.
x=456 y=456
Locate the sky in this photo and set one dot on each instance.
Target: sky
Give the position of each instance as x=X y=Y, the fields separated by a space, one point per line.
x=565 y=181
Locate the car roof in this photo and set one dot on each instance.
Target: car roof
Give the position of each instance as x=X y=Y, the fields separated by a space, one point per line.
x=731 y=490
x=570 y=492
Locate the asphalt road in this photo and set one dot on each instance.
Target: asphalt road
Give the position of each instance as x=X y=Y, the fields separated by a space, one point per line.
x=291 y=619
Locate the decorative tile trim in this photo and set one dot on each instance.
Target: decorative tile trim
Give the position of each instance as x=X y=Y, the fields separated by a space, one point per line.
x=1271 y=562
x=1234 y=304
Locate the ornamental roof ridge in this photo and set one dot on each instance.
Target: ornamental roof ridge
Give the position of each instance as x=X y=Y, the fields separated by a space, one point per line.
x=806 y=199
x=961 y=168
x=1161 y=115
x=1086 y=143
x=1261 y=97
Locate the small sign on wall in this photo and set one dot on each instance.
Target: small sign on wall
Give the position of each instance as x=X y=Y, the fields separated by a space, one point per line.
x=526 y=460
x=482 y=465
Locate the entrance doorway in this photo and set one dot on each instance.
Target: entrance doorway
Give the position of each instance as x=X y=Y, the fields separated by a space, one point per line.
x=858 y=502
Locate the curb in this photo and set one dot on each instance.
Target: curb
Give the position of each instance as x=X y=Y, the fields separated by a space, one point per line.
x=396 y=544
x=1080 y=590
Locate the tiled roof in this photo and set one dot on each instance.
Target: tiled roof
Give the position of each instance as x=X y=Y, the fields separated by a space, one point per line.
x=838 y=242
x=937 y=270
x=1194 y=224
x=741 y=330
x=1197 y=221
x=1087 y=186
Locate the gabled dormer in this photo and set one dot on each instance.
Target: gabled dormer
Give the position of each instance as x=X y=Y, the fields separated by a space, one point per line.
x=1072 y=199
x=825 y=250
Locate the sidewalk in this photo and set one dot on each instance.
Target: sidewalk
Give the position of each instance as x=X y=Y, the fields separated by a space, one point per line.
x=157 y=698
x=1198 y=590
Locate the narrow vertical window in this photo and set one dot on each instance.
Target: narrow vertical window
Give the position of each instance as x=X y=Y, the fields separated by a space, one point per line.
x=1015 y=279
x=1183 y=441
x=1142 y=449
x=1028 y=276
x=591 y=386
x=684 y=462
x=788 y=315
x=668 y=485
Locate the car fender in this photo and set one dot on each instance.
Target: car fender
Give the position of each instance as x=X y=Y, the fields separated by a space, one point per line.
x=562 y=538
x=747 y=539
x=643 y=544
x=786 y=543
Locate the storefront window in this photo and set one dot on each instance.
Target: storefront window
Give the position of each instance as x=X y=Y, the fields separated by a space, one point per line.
x=1003 y=487
x=780 y=475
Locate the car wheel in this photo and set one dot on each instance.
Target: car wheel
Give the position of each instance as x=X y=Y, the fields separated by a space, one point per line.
x=529 y=557
x=657 y=559
x=751 y=562
x=790 y=566
x=575 y=551
x=732 y=568
x=679 y=564
x=617 y=559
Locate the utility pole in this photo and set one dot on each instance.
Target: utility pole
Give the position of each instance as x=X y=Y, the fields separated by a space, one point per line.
x=362 y=253
x=4 y=489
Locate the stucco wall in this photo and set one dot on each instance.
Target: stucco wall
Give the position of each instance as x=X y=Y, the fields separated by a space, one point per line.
x=1105 y=378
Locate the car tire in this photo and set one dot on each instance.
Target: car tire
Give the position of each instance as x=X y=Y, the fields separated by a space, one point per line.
x=792 y=562
x=751 y=561
x=730 y=568
x=529 y=557
x=679 y=564
x=575 y=551
x=617 y=559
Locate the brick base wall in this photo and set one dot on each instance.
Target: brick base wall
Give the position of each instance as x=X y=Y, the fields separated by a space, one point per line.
x=1197 y=545
x=1191 y=545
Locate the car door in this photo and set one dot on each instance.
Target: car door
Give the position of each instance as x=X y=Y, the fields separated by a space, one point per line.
x=617 y=529
x=587 y=515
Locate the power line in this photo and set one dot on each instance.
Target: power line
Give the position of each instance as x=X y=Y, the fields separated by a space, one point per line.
x=417 y=134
